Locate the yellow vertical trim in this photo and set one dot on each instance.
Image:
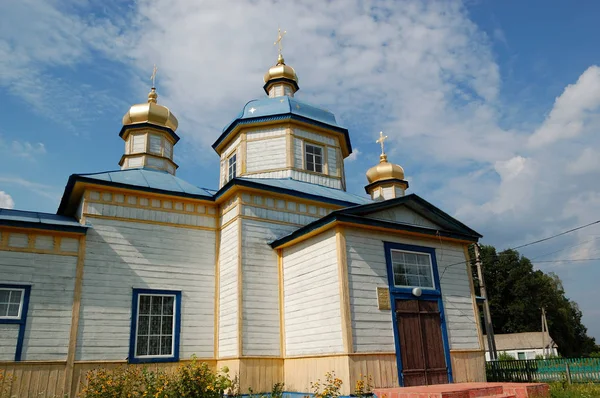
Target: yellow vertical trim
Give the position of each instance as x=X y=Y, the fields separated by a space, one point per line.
x=243 y=153
x=281 y=304
x=75 y=315
x=239 y=289
x=473 y=297
x=4 y=240
x=217 y=291
x=30 y=241
x=57 y=243
x=344 y=290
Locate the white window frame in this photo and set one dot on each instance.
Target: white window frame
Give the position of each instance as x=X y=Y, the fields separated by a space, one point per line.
x=306 y=154
x=417 y=253
x=232 y=167
x=137 y=324
x=20 y=314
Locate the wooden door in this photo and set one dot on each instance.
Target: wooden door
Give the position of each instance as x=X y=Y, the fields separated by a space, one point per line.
x=421 y=342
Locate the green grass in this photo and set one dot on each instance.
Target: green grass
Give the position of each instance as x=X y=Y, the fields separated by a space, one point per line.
x=563 y=390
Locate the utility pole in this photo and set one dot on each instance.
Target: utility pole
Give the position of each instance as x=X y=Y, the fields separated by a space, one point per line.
x=489 y=329
x=543 y=333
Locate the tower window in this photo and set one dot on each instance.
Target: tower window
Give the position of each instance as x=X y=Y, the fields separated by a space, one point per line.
x=313 y=157
x=232 y=167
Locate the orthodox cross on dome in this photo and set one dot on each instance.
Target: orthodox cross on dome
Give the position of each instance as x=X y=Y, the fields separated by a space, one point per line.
x=153 y=77
x=278 y=42
x=381 y=140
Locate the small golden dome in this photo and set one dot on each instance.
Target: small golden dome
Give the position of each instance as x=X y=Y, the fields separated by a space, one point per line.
x=281 y=71
x=152 y=113
x=385 y=171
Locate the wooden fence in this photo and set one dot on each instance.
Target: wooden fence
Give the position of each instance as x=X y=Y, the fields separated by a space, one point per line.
x=572 y=370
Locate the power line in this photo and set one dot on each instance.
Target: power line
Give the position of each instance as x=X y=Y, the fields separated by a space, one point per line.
x=568 y=260
x=528 y=244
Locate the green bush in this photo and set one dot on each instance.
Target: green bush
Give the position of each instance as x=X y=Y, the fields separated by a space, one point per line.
x=192 y=380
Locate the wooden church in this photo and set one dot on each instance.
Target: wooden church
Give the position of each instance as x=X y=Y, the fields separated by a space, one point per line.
x=279 y=274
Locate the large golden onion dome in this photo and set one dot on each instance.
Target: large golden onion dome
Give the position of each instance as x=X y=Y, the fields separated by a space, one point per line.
x=152 y=113
x=385 y=171
x=281 y=71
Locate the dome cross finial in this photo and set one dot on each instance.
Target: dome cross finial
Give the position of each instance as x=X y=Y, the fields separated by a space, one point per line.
x=278 y=42
x=153 y=77
x=381 y=141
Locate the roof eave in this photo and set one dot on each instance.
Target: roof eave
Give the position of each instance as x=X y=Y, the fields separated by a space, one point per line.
x=82 y=229
x=167 y=130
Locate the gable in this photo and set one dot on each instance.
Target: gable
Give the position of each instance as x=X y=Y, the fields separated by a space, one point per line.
x=402 y=214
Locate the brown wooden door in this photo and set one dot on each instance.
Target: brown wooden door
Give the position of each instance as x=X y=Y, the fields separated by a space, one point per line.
x=421 y=342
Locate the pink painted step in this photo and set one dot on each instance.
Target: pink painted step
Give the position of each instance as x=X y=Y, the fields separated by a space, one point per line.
x=467 y=390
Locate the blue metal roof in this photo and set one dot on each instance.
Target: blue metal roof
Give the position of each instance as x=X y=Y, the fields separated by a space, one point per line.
x=281 y=106
x=32 y=219
x=150 y=179
x=267 y=109
x=310 y=189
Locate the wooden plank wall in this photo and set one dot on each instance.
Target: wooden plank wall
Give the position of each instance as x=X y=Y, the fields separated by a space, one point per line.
x=381 y=367
x=468 y=366
x=30 y=379
x=300 y=372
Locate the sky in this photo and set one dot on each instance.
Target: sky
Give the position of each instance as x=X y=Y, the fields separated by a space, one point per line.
x=492 y=107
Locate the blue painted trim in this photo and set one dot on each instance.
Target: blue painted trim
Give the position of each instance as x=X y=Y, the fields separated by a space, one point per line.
x=22 y=322
x=176 y=333
x=406 y=294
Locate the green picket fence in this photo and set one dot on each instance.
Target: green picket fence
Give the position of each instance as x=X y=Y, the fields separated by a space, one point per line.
x=574 y=370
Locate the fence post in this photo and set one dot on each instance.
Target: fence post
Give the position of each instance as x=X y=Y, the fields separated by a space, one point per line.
x=568 y=372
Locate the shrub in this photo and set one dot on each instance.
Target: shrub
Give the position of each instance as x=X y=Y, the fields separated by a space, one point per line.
x=564 y=390
x=503 y=356
x=363 y=386
x=192 y=380
x=328 y=389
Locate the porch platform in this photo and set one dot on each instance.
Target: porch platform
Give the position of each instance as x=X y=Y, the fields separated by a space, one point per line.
x=468 y=390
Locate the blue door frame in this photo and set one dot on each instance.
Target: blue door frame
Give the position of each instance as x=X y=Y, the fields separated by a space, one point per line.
x=405 y=293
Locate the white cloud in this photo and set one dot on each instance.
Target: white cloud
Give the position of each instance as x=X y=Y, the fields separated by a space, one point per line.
x=6 y=201
x=354 y=155
x=23 y=149
x=587 y=162
x=47 y=191
x=571 y=111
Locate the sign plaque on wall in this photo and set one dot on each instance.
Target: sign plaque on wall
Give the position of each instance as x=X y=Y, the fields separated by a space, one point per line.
x=383 y=298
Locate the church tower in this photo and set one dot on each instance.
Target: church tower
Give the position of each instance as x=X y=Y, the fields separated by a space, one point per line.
x=149 y=135
x=279 y=137
x=386 y=180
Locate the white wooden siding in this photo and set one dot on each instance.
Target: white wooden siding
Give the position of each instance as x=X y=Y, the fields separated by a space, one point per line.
x=228 y=291
x=266 y=154
x=403 y=214
x=230 y=215
x=298 y=153
x=317 y=179
x=312 y=297
x=121 y=256
x=371 y=327
x=8 y=341
x=332 y=161
x=52 y=280
x=271 y=174
x=260 y=288
x=150 y=215
x=265 y=132
x=318 y=137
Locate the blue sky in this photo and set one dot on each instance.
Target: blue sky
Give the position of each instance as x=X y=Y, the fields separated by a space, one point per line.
x=492 y=108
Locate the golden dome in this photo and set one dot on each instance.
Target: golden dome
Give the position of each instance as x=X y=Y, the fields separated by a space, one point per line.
x=281 y=71
x=385 y=171
x=151 y=113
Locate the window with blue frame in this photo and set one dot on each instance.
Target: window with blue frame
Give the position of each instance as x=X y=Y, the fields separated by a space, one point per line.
x=14 y=304
x=155 y=325
x=412 y=269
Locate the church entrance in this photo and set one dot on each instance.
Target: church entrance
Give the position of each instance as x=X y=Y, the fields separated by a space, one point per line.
x=421 y=342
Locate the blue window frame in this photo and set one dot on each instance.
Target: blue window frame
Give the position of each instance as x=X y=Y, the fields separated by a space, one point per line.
x=431 y=292
x=14 y=305
x=155 y=326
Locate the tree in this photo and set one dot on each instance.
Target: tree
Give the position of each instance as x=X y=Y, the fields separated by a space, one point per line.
x=516 y=294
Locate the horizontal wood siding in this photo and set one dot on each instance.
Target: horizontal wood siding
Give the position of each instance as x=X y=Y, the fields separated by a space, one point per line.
x=52 y=280
x=372 y=328
x=332 y=162
x=266 y=154
x=317 y=137
x=274 y=215
x=260 y=288
x=258 y=133
x=8 y=341
x=154 y=215
x=121 y=256
x=270 y=174
x=312 y=297
x=298 y=153
x=228 y=291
